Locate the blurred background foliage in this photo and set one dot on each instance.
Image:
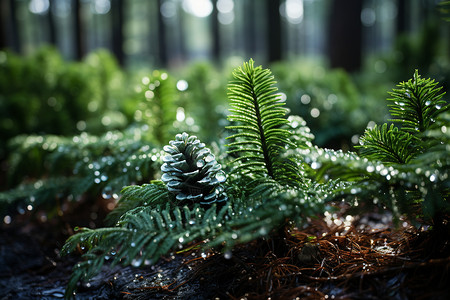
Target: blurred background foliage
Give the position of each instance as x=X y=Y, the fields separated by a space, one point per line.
x=156 y=68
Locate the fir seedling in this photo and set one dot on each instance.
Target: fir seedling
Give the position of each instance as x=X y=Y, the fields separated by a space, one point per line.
x=403 y=166
x=417 y=150
x=261 y=137
x=264 y=190
x=415 y=105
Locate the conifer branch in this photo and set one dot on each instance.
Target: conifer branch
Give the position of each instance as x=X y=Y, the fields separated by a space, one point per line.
x=261 y=137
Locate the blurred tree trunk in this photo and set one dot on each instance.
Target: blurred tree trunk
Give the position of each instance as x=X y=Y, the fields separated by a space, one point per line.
x=249 y=28
x=401 y=21
x=51 y=24
x=3 y=24
x=117 y=29
x=274 y=30
x=215 y=32
x=162 y=48
x=345 y=35
x=9 y=34
x=80 y=48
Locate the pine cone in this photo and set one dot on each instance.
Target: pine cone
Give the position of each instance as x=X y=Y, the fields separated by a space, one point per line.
x=191 y=172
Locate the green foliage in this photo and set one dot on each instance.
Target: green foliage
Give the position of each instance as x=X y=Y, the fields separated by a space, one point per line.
x=444 y=8
x=202 y=101
x=70 y=167
x=416 y=104
x=42 y=94
x=325 y=99
x=156 y=98
x=265 y=189
x=403 y=169
x=260 y=140
x=389 y=144
x=153 y=194
x=141 y=236
x=275 y=176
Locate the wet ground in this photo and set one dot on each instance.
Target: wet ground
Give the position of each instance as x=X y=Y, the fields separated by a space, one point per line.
x=31 y=266
x=343 y=263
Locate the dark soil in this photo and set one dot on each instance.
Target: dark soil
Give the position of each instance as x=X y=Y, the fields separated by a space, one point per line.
x=367 y=260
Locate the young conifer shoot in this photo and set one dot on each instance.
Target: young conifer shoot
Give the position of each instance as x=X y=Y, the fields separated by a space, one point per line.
x=194 y=202
x=273 y=177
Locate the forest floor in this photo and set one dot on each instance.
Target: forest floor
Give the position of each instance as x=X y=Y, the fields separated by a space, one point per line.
x=339 y=257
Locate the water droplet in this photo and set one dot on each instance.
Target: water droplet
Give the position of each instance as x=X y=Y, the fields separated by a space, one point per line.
x=54 y=293
x=315 y=165
x=182 y=85
x=7 y=220
x=263 y=231
x=181 y=239
x=370 y=169
x=220 y=177
x=209 y=158
x=136 y=262
x=228 y=254
x=20 y=210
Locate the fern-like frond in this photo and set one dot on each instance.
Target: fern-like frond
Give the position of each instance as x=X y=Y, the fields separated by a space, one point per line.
x=41 y=194
x=259 y=121
x=416 y=103
x=133 y=196
x=388 y=144
x=141 y=236
x=83 y=163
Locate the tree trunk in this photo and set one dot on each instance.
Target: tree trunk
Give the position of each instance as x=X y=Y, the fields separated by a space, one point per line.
x=3 y=24
x=345 y=35
x=162 y=46
x=9 y=33
x=51 y=24
x=117 y=16
x=274 y=30
x=215 y=33
x=249 y=29
x=402 y=14
x=80 y=47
